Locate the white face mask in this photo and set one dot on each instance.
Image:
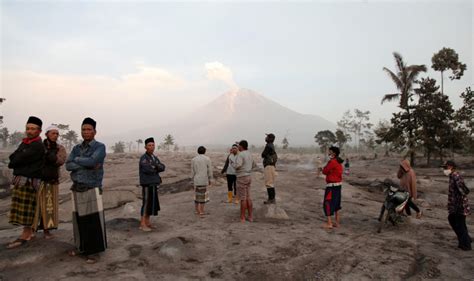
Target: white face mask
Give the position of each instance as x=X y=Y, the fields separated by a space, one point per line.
x=447 y=172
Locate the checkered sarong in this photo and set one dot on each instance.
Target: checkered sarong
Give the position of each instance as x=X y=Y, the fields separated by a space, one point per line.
x=23 y=206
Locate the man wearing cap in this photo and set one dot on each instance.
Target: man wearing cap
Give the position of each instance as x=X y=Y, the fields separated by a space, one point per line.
x=243 y=166
x=201 y=173
x=229 y=172
x=458 y=205
x=86 y=163
x=46 y=214
x=27 y=164
x=150 y=168
x=270 y=157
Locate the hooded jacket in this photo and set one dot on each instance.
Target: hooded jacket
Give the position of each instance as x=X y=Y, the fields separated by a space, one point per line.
x=407 y=178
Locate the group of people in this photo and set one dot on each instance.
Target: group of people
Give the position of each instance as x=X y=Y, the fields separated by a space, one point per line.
x=36 y=164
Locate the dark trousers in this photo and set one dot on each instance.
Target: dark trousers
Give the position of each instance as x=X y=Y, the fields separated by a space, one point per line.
x=458 y=224
x=232 y=183
x=411 y=205
x=271 y=193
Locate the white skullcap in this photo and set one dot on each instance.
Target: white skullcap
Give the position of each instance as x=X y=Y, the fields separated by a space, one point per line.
x=52 y=127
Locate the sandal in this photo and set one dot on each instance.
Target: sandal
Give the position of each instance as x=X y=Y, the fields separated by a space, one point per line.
x=145 y=228
x=90 y=260
x=72 y=253
x=17 y=243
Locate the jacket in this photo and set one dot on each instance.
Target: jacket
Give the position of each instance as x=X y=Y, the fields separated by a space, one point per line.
x=333 y=170
x=86 y=164
x=407 y=178
x=28 y=159
x=269 y=155
x=150 y=168
x=55 y=156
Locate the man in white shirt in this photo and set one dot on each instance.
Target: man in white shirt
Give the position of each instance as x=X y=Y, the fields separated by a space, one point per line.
x=201 y=173
x=243 y=166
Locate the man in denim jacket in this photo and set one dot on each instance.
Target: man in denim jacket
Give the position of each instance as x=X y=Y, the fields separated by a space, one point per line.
x=86 y=163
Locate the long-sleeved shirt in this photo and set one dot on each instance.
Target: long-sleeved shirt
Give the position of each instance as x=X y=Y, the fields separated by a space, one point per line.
x=55 y=157
x=407 y=178
x=28 y=159
x=333 y=171
x=243 y=164
x=228 y=169
x=86 y=164
x=457 y=200
x=201 y=170
x=150 y=168
x=269 y=155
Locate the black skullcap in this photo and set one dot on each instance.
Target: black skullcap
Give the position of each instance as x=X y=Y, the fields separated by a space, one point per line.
x=35 y=120
x=449 y=163
x=89 y=121
x=149 y=140
x=235 y=145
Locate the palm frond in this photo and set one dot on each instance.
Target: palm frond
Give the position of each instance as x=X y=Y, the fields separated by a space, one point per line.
x=390 y=97
x=394 y=78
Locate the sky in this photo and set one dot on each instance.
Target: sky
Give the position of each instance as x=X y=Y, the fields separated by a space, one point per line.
x=130 y=64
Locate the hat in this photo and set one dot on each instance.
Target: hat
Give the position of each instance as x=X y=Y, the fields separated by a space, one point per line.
x=89 y=121
x=449 y=163
x=271 y=137
x=34 y=120
x=52 y=127
x=149 y=140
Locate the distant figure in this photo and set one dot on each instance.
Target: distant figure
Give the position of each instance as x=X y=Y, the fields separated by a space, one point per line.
x=150 y=168
x=332 y=195
x=270 y=158
x=201 y=173
x=347 y=169
x=86 y=164
x=229 y=172
x=47 y=203
x=407 y=177
x=27 y=164
x=243 y=166
x=458 y=205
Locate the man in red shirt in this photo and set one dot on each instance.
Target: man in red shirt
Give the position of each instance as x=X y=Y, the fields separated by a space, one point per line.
x=332 y=195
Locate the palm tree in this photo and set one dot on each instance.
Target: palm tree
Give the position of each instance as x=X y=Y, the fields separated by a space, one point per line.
x=404 y=79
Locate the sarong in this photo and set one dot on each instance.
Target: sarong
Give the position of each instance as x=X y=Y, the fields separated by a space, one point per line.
x=23 y=205
x=46 y=211
x=201 y=194
x=332 y=200
x=243 y=187
x=88 y=221
x=150 y=201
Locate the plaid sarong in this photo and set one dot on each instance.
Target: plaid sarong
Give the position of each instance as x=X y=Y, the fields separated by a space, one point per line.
x=23 y=205
x=88 y=221
x=201 y=194
x=46 y=214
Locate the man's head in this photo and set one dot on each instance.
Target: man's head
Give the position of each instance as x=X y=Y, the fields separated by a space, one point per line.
x=234 y=149
x=270 y=138
x=243 y=145
x=88 y=129
x=334 y=151
x=150 y=145
x=33 y=127
x=52 y=133
x=449 y=166
x=201 y=150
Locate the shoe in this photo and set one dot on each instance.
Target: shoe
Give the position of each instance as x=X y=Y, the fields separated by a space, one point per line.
x=229 y=197
x=269 y=201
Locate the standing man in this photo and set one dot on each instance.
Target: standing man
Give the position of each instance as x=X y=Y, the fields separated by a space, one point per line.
x=47 y=205
x=229 y=172
x=201 y=173
x=407 y=177
x=458 y=205
x=27 y=164
x=150 y=168
x=86 y=164
x=243 y=166
x=270 y=158
x=332 y=195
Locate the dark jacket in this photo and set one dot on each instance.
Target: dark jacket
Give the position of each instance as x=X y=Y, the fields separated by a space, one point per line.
x=28 y=160
x=457 y=195
x=269 y=155
x=150 y=168
x=55 y=157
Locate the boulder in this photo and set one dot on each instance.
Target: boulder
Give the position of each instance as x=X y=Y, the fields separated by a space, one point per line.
x=173 y=249
x=273 y=211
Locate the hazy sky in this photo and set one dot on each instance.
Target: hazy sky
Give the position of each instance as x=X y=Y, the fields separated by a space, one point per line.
x=131 y=64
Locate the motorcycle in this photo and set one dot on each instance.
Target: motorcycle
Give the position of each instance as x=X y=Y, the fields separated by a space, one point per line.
x=395 y=203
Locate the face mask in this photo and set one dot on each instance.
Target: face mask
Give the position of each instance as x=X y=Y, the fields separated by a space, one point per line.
x=447 y=172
